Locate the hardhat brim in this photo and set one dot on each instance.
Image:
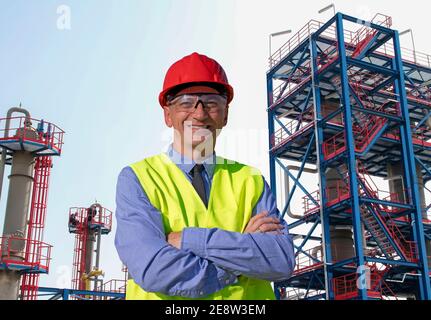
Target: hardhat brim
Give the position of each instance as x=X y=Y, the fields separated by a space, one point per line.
x=227 y=87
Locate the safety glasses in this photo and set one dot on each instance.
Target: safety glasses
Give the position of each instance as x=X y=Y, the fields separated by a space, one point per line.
x=189 y=102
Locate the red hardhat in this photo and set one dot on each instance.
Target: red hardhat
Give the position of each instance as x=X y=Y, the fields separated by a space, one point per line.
x=195 y=69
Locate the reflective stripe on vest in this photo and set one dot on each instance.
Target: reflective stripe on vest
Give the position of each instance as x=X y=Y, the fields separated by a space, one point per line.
x=235 y=190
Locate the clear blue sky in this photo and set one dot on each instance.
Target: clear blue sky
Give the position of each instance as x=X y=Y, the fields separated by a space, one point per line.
x=99 y=81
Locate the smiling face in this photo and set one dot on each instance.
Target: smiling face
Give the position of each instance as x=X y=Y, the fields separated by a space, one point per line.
x=198 y=127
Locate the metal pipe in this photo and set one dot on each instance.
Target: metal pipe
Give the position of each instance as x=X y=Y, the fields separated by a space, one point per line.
x=6 y=134
x=315 y=251
x=287 y=189
x=99 y=235
x=98 y=242
x=17 y=207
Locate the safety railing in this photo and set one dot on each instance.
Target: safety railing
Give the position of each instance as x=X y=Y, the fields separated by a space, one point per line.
x=347 y=286
x=33 y=131
x=287 y=87
x=114 y=285
x=298 y=294
x=368 y=35
x=408 y=55
x=337 y=193
x=356 y=83
x=308 y=204
x=292 y=294
x=408 y=248
x=363 y=136
x=372 y=189
x=363 y=32
x=421 y=137
x=365 y=133
x=334 y=145
x=281 y=135
x=303 y=34
x=103 y=218
x=304 y=261
x=324 y=59
x=351 y=37
x=80 y=218
x=29 y=254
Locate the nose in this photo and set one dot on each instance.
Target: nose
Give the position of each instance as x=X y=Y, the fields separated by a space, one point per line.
x=199 y=112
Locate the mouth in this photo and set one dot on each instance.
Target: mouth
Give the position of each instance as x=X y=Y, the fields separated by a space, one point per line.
x=199 y=126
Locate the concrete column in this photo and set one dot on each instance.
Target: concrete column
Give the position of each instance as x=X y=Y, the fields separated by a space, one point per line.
x=9 y=284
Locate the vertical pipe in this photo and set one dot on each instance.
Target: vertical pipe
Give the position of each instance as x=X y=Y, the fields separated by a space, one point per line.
x=6 y=134
x=99 y=238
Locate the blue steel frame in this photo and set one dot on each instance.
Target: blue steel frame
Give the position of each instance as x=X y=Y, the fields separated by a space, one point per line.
x=394 y=70
x=56 y=293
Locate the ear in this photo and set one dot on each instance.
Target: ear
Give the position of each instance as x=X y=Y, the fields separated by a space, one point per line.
x=167 y=115
x=226 y=115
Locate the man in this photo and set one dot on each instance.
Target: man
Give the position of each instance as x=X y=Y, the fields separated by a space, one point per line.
x=191 y=224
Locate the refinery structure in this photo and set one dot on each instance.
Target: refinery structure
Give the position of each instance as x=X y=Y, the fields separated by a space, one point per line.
x=349 y=128
x=28 y=147
x=350 y=108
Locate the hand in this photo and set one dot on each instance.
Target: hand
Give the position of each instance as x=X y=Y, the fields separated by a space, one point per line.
x=261 y=223
x=174 y=239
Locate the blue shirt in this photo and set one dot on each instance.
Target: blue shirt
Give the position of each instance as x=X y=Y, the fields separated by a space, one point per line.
x=209 y=258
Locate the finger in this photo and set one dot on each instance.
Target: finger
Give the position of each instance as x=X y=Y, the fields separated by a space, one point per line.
x=262 y=221
x=258 y=216
x=270 y=227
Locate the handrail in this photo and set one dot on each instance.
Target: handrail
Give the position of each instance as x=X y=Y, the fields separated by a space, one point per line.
x=32 y=130
x=346 y=286
x=303 y=261
x=308 y=204
x=26 y=252
x=351 y=37
x=408 y=248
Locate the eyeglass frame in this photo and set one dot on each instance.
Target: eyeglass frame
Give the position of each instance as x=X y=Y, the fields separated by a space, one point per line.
x=171 y=99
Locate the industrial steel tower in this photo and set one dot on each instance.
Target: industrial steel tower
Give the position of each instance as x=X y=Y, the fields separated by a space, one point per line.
x=88 y=225
x=27 y=145
x=349 y=105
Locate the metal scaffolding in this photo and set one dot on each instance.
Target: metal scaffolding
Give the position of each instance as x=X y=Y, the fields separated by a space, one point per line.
x=347 y=102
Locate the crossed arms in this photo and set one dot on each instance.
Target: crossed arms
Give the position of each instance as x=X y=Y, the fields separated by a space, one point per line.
x=199 y=261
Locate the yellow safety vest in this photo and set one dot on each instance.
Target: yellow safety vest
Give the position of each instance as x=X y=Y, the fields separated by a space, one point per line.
x=235 y=190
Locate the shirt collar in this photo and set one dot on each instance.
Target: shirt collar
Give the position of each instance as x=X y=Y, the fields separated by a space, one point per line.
x=186 y=164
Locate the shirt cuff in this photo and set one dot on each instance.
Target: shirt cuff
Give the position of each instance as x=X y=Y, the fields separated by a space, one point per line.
x=193 y=239
x=224 y=279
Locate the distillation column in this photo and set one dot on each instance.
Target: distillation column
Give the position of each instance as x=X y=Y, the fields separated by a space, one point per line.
x=17 y=208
